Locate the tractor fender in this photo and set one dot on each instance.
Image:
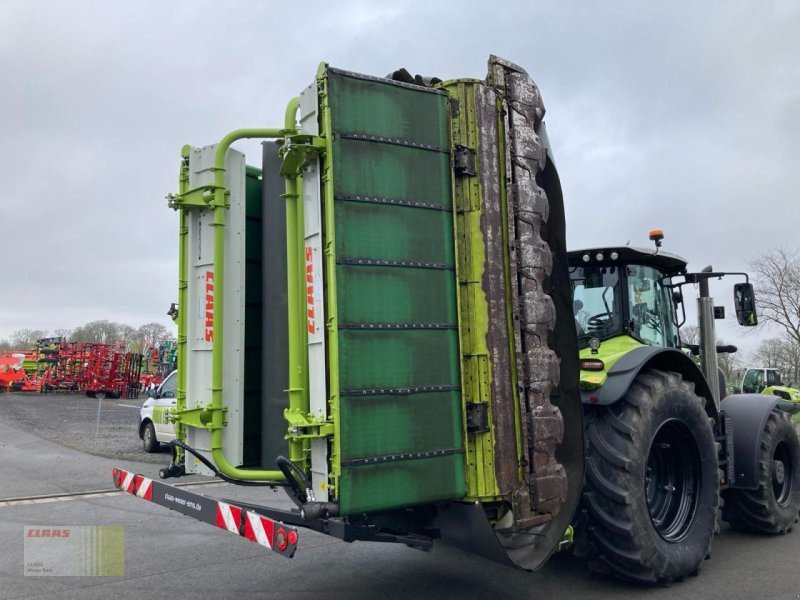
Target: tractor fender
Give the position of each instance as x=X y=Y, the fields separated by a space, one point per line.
x=622 y=374
x=747 y=415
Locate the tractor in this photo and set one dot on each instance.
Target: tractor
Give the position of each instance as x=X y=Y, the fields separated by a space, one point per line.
x=664 y=455
x=762 y=380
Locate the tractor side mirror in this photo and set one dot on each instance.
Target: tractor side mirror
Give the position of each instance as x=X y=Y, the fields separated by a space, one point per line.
x=744 y=298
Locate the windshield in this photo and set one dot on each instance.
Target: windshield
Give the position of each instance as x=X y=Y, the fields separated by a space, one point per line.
x=596 y=301
x=639 y=304
x=650 y=307
x=753 y=381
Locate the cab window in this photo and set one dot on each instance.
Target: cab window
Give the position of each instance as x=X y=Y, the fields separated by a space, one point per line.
x=650 y=307
x=596 y=301
x=753 y=382
x=773 y=378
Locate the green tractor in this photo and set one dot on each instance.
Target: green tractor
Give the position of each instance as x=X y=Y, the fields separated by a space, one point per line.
x=768 y=381
x=662 y=448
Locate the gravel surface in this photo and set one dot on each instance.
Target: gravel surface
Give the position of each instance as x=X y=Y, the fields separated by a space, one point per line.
x=71 y=420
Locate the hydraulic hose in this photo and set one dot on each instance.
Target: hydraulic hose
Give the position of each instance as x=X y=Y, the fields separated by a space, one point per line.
x=218 y=473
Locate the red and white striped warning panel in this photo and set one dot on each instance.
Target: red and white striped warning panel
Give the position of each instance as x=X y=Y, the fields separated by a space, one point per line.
x=257 y=528
x=228 y=517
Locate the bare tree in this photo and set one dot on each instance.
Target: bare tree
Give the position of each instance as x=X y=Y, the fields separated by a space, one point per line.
x=23 y=339
x=777 y=278
x=151 y=334
x=779 y=353
x=62 y=333
x=124 y=332
x=729 y=364
x=770 y=354
x=103 y=332
x=690 y=334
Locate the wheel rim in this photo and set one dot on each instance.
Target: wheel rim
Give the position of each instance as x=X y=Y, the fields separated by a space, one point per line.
x=782 y=474
x=147 y=436
x=673 y=480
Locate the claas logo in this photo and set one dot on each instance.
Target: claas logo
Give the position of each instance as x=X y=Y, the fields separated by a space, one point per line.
x=312 y=328
x=48 y=533
x=209 y=336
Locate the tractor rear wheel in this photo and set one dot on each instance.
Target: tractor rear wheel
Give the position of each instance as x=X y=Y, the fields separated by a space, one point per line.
x=652 y=483
x=773 y=506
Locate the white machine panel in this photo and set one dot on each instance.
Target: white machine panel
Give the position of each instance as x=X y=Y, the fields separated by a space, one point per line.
x=201 y=304
x=315 y=299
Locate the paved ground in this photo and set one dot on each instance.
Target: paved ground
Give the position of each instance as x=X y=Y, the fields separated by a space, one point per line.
x=168 y=555
x=101 y=427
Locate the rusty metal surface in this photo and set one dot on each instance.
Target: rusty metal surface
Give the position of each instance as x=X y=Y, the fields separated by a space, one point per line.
x=493 y=286
x=542 y=504
x=531 y=265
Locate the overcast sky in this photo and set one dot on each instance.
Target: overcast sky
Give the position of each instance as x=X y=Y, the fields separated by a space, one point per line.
x=678 y=115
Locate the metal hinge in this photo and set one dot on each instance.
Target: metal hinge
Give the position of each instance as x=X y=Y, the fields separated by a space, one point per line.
x=305 y=427
x=477 y=417
x=199 y=417
x=298 y=151
x=464 y=161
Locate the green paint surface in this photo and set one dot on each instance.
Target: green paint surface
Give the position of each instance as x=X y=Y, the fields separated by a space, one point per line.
x=610 y=352
x=397 y=359
x=787 y=393
x=394 y=232
x=376 y=357
x=396 y=295
x=386 y=424
x=391 y=171
x=386 y=110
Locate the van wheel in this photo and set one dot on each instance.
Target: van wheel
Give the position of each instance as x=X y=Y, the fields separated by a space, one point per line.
x=149 y=441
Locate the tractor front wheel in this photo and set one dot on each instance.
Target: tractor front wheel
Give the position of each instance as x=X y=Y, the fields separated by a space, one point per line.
x=652 y=482
x=773 y=506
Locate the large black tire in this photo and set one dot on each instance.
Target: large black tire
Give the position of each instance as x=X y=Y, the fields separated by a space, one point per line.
x=773 y=507
x=652 y=481
x=149 y=441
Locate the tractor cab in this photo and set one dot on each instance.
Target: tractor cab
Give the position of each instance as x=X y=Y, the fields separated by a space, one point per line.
x=755 y=380
x=761 y=380
x=622 y=299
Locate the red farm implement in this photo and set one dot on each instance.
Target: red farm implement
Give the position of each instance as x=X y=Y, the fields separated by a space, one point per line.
x=12 y=374
x=111 y=371
x=56 y=365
